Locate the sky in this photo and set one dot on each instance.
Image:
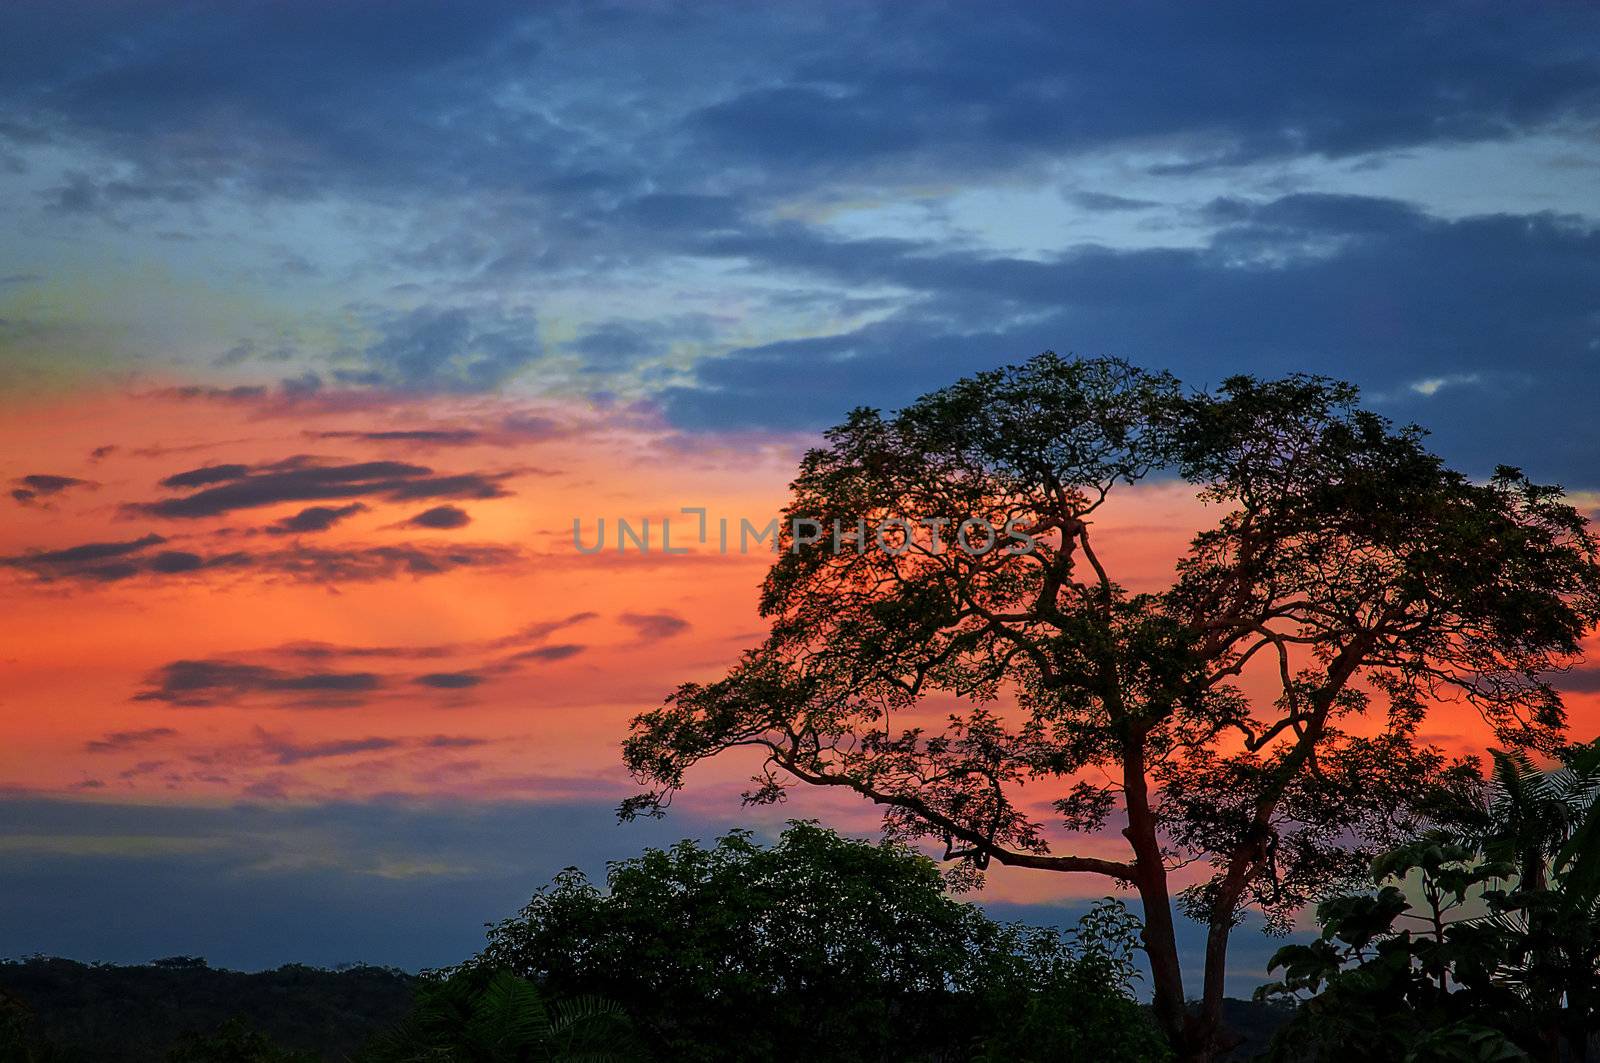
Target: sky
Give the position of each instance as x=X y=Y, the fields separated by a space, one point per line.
x=322 y=323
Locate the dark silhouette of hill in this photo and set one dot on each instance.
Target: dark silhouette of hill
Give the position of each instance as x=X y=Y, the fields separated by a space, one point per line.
x=103 y=1012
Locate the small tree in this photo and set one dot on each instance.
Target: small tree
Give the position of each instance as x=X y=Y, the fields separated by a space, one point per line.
x=1345 y=560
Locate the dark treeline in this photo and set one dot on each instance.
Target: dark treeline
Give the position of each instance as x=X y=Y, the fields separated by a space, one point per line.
x=61 y=1011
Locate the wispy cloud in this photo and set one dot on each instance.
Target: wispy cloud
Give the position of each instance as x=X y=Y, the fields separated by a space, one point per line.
x=118 y=741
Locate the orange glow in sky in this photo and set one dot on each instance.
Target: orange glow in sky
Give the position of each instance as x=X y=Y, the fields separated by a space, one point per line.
x=155 y=655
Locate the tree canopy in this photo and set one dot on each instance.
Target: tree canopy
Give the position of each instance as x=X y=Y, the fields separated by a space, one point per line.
x=1345 y=562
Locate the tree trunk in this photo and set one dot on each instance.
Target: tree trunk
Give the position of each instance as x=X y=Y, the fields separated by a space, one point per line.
x=1161 y=946
x=1160 y=942
x=1207 y=1022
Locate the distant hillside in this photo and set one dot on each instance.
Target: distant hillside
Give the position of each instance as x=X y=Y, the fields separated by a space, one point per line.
x=137 y=1014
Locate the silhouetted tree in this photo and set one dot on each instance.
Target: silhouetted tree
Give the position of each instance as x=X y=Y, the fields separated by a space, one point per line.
x=1345 y=561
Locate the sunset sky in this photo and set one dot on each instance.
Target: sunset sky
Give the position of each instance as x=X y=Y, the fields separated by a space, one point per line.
x=321 y=323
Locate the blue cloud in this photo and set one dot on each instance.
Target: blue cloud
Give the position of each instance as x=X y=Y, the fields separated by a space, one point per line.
x=435 y=349
x=1358 y=288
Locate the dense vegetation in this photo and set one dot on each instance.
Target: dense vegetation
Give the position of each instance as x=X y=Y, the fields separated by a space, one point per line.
x=59 y=1011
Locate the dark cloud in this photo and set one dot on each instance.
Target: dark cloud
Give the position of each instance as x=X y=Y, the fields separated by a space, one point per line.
x=286 y=751
x=541 y=630
x=294 y=396
x=97 y=563
x=440 y=518
x=173 y=562
x=212 y=682
x=449 y=680
x=46 y=484
x=206 y=475
x=473 y=663
x=453 y=742
x=117 y=741
x=238 y=393
x=315 y=519
x=138 y=84
x=651 y=627
x=558 y=652
x=1102 y=201
x=228 y=488
x=368 y=563
x=688 y=116
x=1432 y=316
x=1583 y=680
x=430 y=437
x=967 y=87
x=531 y=633
x=35 y=486
x=421 y=99
x=110 y=562
x=90 y=552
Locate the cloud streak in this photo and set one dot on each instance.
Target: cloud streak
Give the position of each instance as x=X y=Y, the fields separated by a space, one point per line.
x=230 y=488
x=210 y=683
x=89 y=564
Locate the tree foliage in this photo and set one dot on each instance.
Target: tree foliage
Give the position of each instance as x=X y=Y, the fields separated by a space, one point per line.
x=480 y=1014
x=234 y=1042
x=62 y=1011
x=819 y=947
x=1499 y=960
x=1345 y=560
